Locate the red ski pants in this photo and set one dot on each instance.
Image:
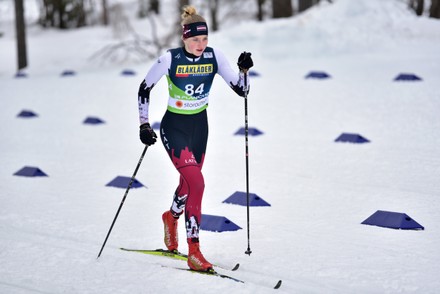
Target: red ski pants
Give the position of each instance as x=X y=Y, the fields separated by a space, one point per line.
x=185 y=138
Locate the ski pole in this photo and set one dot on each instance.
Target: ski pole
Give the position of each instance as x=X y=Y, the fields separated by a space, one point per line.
x=246 y=132
x=123 y=199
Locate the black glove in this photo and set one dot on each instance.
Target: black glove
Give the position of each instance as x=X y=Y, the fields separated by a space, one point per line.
x=245 y=61
x=147 y=134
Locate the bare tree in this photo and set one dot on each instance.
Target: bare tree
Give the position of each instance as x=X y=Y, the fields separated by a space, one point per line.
x=417 y=6
x=282 y=8
x=105 y=13
x=181 y=4
x=142 y=8
x=306 y=4
x=434 y=10
x=260 y=4
x=213 y=10
x=147 y=6
x=21 y=34
x=154 y=6
x=63 y=14
x=131 y=46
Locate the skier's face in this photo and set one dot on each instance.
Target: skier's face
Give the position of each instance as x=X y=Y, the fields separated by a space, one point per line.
x=196 y=45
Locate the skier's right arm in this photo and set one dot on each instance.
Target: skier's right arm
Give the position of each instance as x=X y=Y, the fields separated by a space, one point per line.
x=160 y=68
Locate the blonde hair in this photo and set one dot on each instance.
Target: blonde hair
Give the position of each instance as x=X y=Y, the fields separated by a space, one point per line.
x=189 y=15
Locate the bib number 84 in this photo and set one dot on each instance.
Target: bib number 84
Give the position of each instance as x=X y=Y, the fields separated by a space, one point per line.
x=189 y=89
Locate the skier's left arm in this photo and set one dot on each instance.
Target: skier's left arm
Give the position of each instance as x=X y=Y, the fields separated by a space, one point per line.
x=238 y=82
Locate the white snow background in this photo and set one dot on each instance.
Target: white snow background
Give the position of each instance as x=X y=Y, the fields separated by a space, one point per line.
x=51 y=228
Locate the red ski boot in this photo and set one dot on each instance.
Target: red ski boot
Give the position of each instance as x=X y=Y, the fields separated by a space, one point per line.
x=170 y=229
x=196 y=261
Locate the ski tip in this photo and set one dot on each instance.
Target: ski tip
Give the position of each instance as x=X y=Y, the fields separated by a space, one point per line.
x=236 y=267
x=278 y=285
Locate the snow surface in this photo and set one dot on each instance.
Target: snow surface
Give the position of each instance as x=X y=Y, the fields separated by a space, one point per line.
x=51 y=228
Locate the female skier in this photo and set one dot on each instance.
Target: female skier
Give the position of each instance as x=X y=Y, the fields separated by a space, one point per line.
x=190 y=71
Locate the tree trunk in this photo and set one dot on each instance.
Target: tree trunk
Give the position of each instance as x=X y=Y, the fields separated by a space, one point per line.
x=181 y=3
x=213 y=9
x=417 y=6
x=420 y=7
x=154 y=6
x=60 y=12
x=260 y=10
x=105 y=13
x=306 y=4
x=282 y=8
x=21 y=34
x=64 y=14
x=434 y=10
